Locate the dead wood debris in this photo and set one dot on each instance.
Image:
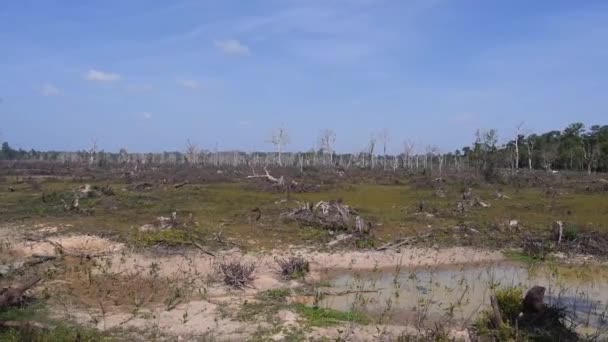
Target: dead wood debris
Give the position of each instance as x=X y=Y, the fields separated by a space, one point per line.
x=179 y=185
x=278 y=181
x=591 y=243
x=334 y=215
x=469 y=201
x=162 y=223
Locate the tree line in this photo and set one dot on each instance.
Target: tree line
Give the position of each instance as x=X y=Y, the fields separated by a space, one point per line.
x=575 y=148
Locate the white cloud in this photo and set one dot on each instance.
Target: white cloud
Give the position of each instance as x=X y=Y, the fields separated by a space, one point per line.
x=146 y=115
x=50 y=90
x=232 y=47
x=101 y=76
x=187 y=83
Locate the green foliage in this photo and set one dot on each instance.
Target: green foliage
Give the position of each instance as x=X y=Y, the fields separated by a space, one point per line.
x=366 y=242
x=266 y=305
x=570 y=232
x=322 y=317
x=510 y=302
x=519 y=257
x=273 y=295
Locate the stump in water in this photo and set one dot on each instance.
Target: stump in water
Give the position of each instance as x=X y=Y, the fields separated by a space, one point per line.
x=534 y=300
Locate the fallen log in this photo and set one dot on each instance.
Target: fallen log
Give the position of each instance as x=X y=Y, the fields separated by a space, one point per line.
x=10 y=296
x=179 y=185
x=268 y=176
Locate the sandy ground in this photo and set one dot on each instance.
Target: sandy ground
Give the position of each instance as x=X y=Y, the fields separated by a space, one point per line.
x=209 y=315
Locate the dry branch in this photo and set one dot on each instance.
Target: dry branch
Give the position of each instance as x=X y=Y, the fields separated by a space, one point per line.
x=268 y=176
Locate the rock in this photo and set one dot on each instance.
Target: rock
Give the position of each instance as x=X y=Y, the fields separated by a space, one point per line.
x=514 y=224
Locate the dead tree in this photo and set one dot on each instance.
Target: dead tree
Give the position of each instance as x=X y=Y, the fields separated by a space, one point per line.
x=92 y=151
x=327 y=139
x=370 y=150
x=192 y=153
x=530 y=145
x=279 y=139
x=408 y=151
x=385 y=138
x=517 y=135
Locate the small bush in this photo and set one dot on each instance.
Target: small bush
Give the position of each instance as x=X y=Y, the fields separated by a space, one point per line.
x=294 y=267
x=237 y=275
x=510 y=302
x=365 y=242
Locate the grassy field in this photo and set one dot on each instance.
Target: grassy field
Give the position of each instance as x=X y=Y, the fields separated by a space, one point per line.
x=395 y=210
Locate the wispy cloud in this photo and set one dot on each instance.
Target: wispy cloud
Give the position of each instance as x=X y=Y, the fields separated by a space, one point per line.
x=189 y=83
x=50 y=90
x=145 y=115
x=101 y=76
x=232 y=47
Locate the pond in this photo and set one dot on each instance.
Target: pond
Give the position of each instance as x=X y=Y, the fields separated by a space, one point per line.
x=456 y=295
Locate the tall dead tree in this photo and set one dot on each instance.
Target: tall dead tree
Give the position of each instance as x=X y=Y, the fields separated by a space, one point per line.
x=279 y=139
x=370 y=149
x=518 y=129
x=530 y=141
x=192 y=153
x=92 y=151
x=327 y=139
x=384 y=137
x=408 y=151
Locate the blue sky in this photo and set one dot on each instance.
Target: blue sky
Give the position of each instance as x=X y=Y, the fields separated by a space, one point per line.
x=147 y=75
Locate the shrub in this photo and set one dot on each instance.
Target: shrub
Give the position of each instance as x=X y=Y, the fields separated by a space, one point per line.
x=237 y=275
x=294 y=267
x=510 y=302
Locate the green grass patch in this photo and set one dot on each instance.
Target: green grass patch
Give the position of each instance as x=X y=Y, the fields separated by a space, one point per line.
x=266 y=305
x=168 y=237
x=323 y=317
x=519 y=256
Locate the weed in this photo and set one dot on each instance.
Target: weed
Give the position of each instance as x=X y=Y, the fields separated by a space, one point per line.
x=294 y=267
x=236 y=274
